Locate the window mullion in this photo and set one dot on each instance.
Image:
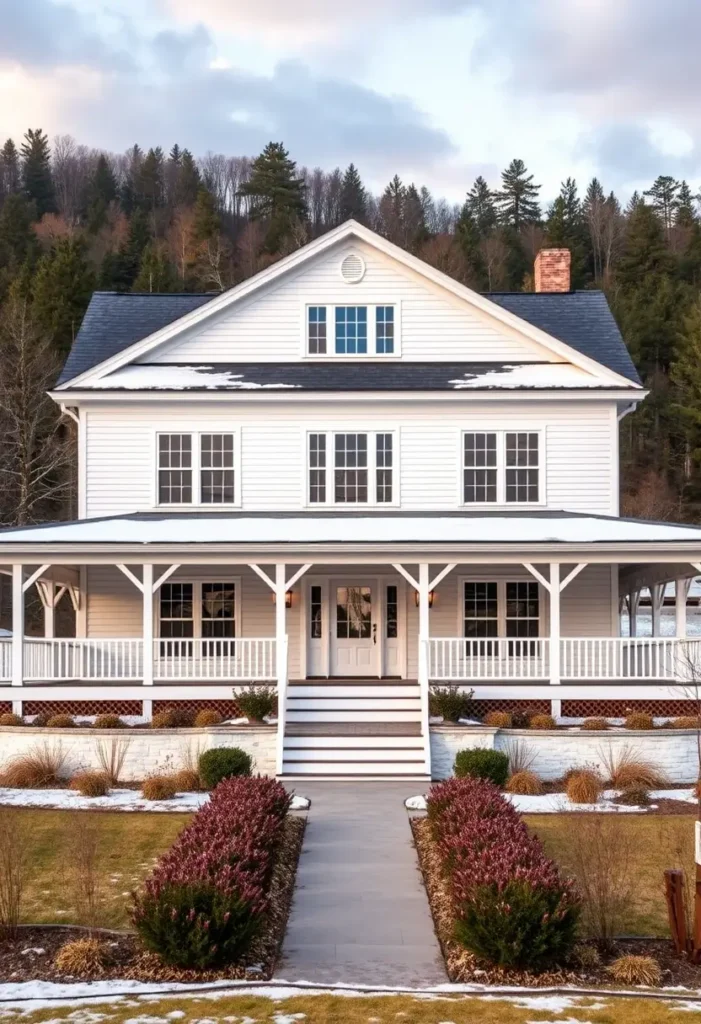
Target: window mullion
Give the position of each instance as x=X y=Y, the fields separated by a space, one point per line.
x=501 y=467
x=330 y=468
x=501 y=607
x=372 y=330
x=372 y=467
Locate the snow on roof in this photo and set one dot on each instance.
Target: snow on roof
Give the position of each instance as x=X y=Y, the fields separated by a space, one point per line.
x=180 y=378
x=530 y=375
x=183 y=528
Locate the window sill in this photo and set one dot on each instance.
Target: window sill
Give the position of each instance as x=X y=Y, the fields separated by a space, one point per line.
x=218 y=507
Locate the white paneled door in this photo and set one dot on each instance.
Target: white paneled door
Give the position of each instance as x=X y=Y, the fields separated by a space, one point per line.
x=354 y=638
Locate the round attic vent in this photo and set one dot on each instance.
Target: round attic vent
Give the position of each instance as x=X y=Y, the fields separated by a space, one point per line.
x=352 y=268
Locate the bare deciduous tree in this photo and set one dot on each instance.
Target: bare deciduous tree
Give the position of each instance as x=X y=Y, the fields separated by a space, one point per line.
x=37 y=451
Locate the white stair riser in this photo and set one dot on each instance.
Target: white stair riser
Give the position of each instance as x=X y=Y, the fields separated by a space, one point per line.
x=352 y=716
x=352 y=768
x=321 y=755
x=364 y=692
x=353 y=742
x=351 y=704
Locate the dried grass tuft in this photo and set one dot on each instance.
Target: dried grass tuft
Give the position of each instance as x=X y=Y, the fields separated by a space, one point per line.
x=43 y=765
x=583 y=787
x=111 y=753
x=90 y=783
x=9 y=719
x=685 y=722
x=109 y=722
x=595 y=725
x=524 y=783
x=587 y=957
x=208 y=716
x=159 y=787
x=625 y=770
x=187 y=780
x=542 y=722
x=635 y=970
x=61 y=722
x=83 y=957
x=498 y=719
x=639 y=721
x=521 y=756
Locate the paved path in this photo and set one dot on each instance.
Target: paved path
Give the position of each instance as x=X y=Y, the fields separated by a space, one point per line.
x=360 y=913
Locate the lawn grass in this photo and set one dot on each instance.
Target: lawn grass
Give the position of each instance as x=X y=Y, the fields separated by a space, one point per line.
x=660 y=842
x=127 y=847
x=331 y=1009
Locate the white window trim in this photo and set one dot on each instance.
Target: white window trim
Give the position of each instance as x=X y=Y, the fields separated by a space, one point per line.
x=372 y=479
x=501 y=433
x=501 y=581
x=196 y=436
x=372 y=332
x=197 y=582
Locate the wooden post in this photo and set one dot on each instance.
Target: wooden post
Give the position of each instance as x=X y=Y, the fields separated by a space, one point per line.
x=555 y=674
x=17 y=625
x=147 y=629
x=674 y=891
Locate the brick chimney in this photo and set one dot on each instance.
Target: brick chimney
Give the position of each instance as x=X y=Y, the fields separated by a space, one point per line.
x=552 y=270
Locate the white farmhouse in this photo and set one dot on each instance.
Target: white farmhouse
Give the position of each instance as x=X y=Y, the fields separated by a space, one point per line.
x=352 y=477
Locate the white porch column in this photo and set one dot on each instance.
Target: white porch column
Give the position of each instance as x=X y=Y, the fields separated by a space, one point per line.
x=633 y=602
x=681 y=595
x=423 y=673
x=280 y=625
x=556 y=704
x=657 y=593
x=17 y=631
x=147 y=628
x=49 y=602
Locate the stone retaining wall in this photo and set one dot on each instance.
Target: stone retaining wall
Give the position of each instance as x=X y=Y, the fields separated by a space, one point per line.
x=149 y=751
x=674 y=751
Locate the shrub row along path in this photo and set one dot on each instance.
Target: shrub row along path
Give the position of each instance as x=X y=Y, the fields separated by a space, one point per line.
x=360 y=913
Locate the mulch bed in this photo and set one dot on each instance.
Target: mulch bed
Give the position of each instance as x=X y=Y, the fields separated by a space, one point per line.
x=463 y=966
x=20 y=961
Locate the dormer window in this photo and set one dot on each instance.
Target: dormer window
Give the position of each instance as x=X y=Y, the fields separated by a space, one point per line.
x=351 y=331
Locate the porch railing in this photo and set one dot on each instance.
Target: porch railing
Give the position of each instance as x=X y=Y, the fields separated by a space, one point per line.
x=504 y=659
x=215 y=659
x=582 y=659
x=119 y=659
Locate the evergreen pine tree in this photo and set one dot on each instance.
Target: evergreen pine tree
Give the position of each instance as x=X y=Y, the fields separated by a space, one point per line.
x=565 y=229
x=517 y=200
x=685 y=376
x=130 y=195
x=156 y=273
x=685 y=212
x=353 y=200
x=36 y=172
x=151 y=185
x=277 y=195
x=62 y=287
x=664 y=193
x=207 y=221
x=469 y=237
x=102 y=190
x=413 y=219
x=18 y=242
x=480 y=206
x=634 y=202
x=188 y=181
x=392 y=211
x=119 y=270
x=10 y=175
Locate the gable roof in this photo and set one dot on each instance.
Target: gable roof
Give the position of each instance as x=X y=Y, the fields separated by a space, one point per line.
x=98 y=343
x=582 y=319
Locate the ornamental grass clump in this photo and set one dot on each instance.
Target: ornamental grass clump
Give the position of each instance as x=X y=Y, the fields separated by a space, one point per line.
x=639 y=721
x=207 y=896
x=109 y=722
x=9 y=719
x=595 y=725
x=635 y=970
x=524 y=783
x=511 y=905
x=542 y=722
x=90 y=784
x=583 y=787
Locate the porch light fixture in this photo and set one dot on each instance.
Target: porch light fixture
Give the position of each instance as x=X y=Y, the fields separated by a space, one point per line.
x=431 y=595
x=288 y=598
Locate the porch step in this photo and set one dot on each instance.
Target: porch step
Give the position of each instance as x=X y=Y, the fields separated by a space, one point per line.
x=351 y=729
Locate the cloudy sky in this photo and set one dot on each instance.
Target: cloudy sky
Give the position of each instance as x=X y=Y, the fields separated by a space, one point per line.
x=436 y=90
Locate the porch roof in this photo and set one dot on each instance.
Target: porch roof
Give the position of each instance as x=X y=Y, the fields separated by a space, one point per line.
x=513 y=531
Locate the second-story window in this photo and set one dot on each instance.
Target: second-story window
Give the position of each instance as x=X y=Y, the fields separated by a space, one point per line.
x=351 y=468
x=352 y=331
x=501 y=467
x=175 y=469
x=196 y=469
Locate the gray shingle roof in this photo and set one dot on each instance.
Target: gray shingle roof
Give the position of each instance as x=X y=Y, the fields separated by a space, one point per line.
x=583 y=320
x=346 y=375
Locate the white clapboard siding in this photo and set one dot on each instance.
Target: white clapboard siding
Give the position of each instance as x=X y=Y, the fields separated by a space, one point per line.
x=579 y=446
x=268 y=327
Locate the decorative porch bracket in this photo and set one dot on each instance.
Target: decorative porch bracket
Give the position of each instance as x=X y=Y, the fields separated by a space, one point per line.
x=279 y=586
x=50 y=595
x=423 y=586
x=148 y=587
x=555 y=586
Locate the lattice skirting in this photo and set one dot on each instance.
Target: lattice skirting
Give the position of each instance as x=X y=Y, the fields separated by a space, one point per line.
x=82 y=707
x=5 y=707
x=480 y=708
x=620 y=708
x=226 y=708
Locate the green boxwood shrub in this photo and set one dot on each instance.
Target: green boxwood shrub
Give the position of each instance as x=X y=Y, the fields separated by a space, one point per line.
x=482 y=763
x=223 y=763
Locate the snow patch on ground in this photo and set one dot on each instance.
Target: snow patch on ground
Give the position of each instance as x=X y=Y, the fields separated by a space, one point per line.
x=557 y=803
x=300 y=803
x=116 y=800
x=415 y=803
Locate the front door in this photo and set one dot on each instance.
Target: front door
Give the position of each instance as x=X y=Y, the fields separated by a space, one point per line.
x=353 y=631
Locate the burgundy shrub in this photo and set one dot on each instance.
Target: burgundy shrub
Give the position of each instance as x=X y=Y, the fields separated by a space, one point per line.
x=206 y=895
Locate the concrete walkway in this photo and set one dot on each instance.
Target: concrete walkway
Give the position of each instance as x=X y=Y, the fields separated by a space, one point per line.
x=360 y=912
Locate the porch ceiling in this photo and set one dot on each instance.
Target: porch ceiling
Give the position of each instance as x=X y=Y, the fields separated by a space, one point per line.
x=325 y=536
